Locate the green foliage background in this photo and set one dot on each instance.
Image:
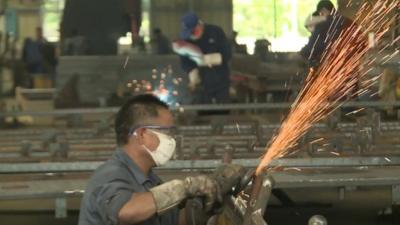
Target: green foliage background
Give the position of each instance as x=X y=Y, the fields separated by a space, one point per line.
x=52 y=13
x=255 y=18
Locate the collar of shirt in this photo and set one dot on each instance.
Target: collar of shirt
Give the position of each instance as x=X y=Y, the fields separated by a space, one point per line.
x=141 y=178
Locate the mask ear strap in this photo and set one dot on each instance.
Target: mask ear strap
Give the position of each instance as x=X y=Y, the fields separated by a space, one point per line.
x=133 y=131
x=147 y=149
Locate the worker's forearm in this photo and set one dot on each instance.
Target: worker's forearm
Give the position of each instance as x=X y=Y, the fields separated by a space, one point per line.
x=160 y=199
x=140 y=207
x=167 y=196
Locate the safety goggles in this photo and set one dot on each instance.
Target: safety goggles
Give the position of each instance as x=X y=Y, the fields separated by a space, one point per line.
x=167 y=130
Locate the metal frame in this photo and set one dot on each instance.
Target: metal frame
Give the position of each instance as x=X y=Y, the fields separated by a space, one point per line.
x=206 y=107
x=396 y=195
x=313 y=177
x=54 y=167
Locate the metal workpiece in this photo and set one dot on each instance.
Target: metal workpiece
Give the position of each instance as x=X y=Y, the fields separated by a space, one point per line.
x=234 y=210
x=260 y=193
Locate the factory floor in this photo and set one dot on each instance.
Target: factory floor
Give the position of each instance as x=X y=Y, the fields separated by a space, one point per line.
x=357 y=206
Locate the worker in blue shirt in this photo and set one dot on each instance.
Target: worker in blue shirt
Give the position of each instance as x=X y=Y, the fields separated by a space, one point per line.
x=205 y=55
x=125 y=189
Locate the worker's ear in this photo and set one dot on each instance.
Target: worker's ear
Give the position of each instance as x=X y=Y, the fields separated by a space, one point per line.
x=138 y=134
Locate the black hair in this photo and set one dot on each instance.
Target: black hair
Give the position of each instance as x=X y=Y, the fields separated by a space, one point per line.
x=134 y=112
x=325 y=4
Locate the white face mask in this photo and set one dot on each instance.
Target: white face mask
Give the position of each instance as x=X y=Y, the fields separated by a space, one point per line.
x=164 y=151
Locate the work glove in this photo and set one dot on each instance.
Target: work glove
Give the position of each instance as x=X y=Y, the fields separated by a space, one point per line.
x=208 y=60
x=193 y=52
x=186 y=49
x=229 y=178
x=212 y=59
x=172 y=193
x=194 y=79
x=206 y=187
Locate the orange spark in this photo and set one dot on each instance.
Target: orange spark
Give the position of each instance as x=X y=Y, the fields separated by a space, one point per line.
x=335 y=80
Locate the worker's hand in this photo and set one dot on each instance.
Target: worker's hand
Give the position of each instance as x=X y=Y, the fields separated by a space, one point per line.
x=212 y=59
x=229 y=176
x=204 y=186
x=194 y=79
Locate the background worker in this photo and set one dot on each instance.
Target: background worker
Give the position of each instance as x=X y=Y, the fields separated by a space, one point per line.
x=313 y=20
x=205 y=55
x=324 y=32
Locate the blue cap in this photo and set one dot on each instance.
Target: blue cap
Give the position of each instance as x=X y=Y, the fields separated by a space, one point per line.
x=189 y=22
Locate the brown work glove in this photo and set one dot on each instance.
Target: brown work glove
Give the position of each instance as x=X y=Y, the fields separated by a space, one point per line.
x=229 y=176
x=204 y=186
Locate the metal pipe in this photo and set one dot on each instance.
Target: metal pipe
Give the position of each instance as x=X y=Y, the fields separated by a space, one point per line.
x=251 y=204
x=260 y=193
x=54 y=167
x=205 y=107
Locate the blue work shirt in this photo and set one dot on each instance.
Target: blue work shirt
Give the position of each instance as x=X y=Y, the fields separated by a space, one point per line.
x=213 y=40
x=111 y=186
